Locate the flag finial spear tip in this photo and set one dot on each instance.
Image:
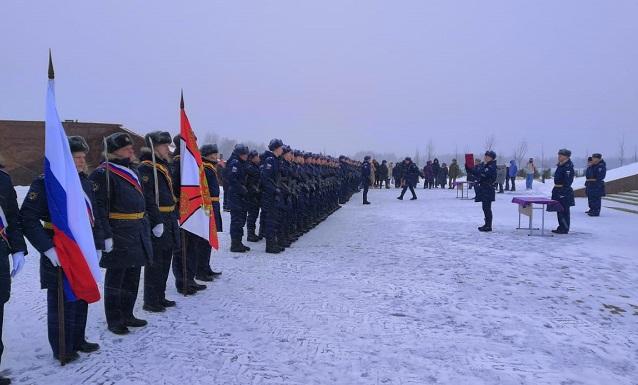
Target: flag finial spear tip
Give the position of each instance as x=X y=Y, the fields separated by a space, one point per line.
x=51 y=73
x=181 y=100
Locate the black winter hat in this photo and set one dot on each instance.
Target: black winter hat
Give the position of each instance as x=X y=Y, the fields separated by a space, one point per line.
x=208 y=149
x=117 y=141
x=157 y=138
x=367 y=157
x=286 y=149
x=275 y=144
x=78 y=144
x=491 y=154
x=597 y=156
x=408 y=159
x=589 y=159
x=564 y=152
x=252 y=154
x=241 y=149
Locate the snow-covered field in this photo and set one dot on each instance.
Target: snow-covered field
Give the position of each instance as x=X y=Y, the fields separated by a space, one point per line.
x=397 y=292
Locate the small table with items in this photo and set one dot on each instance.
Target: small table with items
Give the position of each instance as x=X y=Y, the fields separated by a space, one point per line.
x=526 y=207
x=463 y=192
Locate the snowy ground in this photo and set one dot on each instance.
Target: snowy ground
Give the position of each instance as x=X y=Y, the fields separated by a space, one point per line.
x=391 y=293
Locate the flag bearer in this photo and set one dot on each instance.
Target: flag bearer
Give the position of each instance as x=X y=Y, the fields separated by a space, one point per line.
x=210 y=156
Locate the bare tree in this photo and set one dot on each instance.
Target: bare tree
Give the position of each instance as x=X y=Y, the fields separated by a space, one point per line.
x=490 y=141
x=621 y=149
x=417 y=157
x=430 y=149
x=520 y=152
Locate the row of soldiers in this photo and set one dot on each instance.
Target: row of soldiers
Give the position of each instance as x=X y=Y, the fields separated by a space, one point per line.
x=290 y=191
x=133 y=205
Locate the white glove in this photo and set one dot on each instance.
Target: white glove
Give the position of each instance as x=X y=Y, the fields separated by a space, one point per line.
x=108 y=245
x=53 y=256
x=18 y=263
x=158 y=230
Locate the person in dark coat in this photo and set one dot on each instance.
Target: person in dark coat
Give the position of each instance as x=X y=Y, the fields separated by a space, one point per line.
x=271 y=194
x=36 y=222
x=454 y=173
x=397 y=174
x=383 y=174
x=11 y=244
x=562 y=191
x=436 y=169
x=442 y=179
x=127 y=231
x=410 y=178
x=365 y=178
x=209 y=153
x=253 y=198
x=428 y=175
x=484 y=178
x=237 y=193
x=595 y=184
x=158 y=186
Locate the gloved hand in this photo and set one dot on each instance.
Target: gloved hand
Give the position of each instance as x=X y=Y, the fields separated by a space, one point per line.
x=99 y=254
x=108 y=245
x=53 y=257
x=18 y=263
x=158 y=230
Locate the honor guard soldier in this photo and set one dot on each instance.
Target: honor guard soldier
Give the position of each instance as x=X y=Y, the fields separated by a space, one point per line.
x=562 y=191
x=36 y=222
x=11 y=244
x=237 y=194
x=158 y=185
x=365 y=178
x=271 y=194
x=254 y=195
x=184 y=264
x=127 y=247
x=484 y=179
x=210 y=158
x=595 y=183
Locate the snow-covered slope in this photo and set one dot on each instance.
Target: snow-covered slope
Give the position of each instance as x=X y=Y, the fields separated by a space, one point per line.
x=397 y=292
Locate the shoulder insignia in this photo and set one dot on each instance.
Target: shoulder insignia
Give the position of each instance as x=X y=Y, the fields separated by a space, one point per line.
x=145 y=178
x=268 y=166
x=95 y=186
x=33 y=196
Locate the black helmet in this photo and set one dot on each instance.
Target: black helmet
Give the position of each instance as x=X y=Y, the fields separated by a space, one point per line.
x=208 y=149
x=564 y=152
x=157 y=137
x=275 y=144
x=491 y=154
x=241 y=149
x=117 y=141
x=78 y=144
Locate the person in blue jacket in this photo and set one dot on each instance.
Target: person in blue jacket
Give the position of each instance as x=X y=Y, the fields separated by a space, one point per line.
x=271 y=194
x=410 y=178
x=512 y=170
x=595 y=183
x=365 y=178
x=237 y=193
x=11 y=244
x=484 y=178
x=562 y=191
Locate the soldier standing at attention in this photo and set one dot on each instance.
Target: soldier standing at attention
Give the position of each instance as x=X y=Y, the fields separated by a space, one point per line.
x=127 y=247
x=595 y=184
x=365 y=178
x=11 y=243
x=162 y=213
x=210 y=155
x=562 y=191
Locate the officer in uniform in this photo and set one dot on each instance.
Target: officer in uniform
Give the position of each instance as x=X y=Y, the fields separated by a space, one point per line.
x=11 y=243
x=237 y=194
x=254 y=195
x=595 y=183
x=484 y=178
x=127 y=247
x=36 y=222
x=185 y=256
x=210 y=155
x=562 y=191
x=365 y=178
x=410 y=178
x=271 y=194
x=158 y=185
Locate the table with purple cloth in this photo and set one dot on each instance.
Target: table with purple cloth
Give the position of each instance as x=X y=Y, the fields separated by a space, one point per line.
x=526 y=207
x=460 y=187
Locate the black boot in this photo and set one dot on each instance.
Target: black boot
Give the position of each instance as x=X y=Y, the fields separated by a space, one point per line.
x=237 y=247
x=252 y=237
x=272 y=247
x=88 y=347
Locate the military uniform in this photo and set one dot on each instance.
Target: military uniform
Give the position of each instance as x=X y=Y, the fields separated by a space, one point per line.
x=203 y=270
x=11 y=243
x=253 y=197
x=270 y=196
x=485 y=176
x=595 y=185
x=410 y=178
x=563 y=193
x=365 y=178
x=156 y=273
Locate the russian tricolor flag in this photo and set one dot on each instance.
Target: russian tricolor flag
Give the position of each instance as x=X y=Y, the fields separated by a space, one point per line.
x=73 y=235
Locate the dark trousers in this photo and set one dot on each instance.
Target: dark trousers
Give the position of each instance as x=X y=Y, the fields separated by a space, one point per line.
x=405 y=188
x=251 y=221
x=487 y=212
x=365 y=191
x=189 y=266
x=511 y=180
x=237 y=222
x=203 y=257
x=1 y=327
x=75 y=314
x=156 y=274
x=120 y=293
x=594 y=203
x=269 y=214
x=563 y=219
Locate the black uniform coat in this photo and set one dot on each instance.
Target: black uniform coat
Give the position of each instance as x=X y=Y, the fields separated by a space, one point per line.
x=11 y=241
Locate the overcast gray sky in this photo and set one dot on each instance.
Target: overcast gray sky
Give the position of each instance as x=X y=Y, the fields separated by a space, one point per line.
x=335 y=74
